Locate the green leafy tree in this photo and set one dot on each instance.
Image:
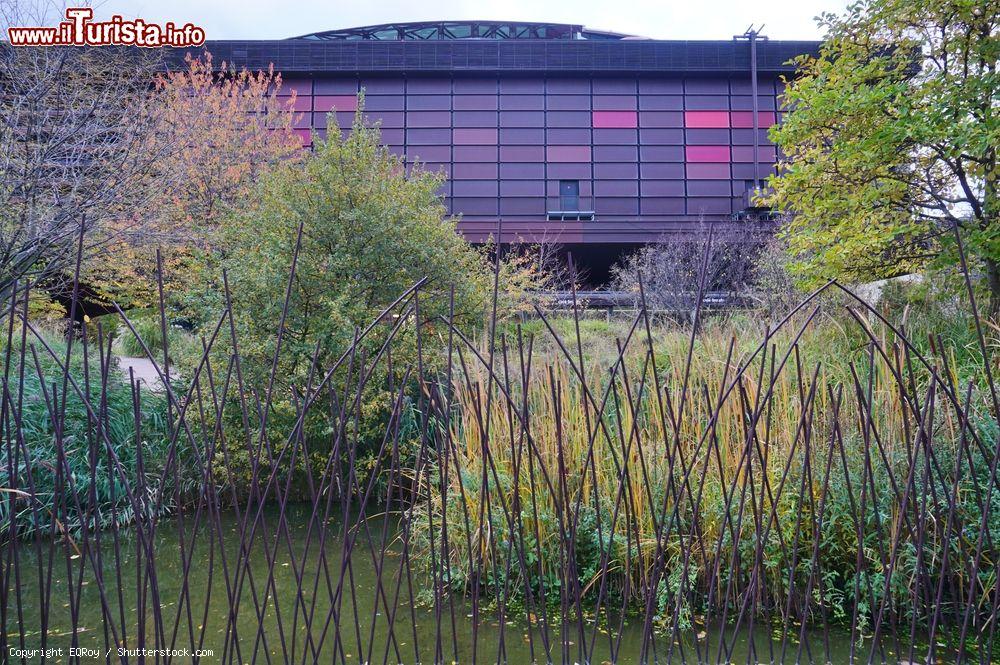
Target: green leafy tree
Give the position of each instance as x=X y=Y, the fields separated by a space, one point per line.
x=891 y=140
x=370 y=231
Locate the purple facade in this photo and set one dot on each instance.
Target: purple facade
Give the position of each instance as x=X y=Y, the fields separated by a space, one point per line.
x=578 y=137
x=646 y=154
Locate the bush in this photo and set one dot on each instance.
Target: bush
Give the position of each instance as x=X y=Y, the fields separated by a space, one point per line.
x=370 y=229
x=673 y=271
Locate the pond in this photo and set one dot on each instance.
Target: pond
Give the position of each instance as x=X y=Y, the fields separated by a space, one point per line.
x=292 y=608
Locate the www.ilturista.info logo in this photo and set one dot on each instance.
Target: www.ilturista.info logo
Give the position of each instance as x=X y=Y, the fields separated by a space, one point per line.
x=79 y=29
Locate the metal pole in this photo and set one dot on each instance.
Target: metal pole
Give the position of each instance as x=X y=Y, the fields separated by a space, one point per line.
x=752 y=35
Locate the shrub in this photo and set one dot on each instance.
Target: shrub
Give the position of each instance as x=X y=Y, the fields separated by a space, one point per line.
x=674 y=270
x=370 y=229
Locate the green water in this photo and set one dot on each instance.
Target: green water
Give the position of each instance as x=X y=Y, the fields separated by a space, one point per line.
x=294 y=631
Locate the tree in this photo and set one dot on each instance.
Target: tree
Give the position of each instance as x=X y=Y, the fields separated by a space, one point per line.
x=891 y=141
x=370 y=230
x=74 y=158
x=218 y=132
x=673 y=270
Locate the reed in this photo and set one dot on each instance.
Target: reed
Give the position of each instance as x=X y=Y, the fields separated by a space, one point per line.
x=813 y=471
x=51 y=433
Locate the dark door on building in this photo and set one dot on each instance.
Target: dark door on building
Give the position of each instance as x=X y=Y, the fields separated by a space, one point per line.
x=569 y=195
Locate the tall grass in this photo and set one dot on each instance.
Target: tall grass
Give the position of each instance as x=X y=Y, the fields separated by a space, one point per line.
x=181 y=344
x=81 y=434
x=784 y=474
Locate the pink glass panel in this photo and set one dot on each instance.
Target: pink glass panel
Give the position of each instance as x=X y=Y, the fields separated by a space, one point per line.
x=615 y=119
x=745 y=118
x=707 y=153
x=324 y=103
x=568 y=153
x=706 y=118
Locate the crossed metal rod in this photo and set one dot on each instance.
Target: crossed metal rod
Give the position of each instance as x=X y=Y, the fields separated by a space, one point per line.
x=484 y=523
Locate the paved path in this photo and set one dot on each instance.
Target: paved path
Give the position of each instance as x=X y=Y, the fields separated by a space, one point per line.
x=143 y=370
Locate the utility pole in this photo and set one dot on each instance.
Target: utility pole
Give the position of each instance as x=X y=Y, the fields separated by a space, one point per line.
x=752 y=36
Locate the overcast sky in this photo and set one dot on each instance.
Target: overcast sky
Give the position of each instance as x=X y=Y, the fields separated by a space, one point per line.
x=663 y=19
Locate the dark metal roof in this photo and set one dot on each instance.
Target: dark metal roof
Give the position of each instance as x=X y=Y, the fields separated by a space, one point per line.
x=450 y=30
x=635 y=56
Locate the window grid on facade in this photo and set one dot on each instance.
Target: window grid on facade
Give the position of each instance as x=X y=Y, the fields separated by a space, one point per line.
x=640 y=149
